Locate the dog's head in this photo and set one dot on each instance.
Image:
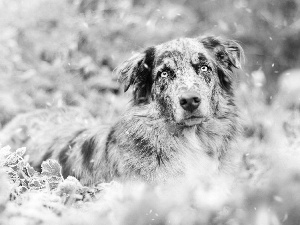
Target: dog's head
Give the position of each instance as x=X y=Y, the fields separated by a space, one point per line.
x=188 y=79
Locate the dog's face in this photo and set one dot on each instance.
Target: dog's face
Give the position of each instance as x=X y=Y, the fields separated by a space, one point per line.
x=185 y=78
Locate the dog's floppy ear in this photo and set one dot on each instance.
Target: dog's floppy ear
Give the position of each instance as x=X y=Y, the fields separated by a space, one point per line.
x=137 y=72
x=227 y=54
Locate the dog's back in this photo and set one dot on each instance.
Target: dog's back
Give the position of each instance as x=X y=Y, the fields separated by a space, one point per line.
x=26 y=126
x=52 y=133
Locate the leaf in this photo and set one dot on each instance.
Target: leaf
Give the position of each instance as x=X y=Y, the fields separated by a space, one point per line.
x=13 y=175
x=21 y=164
x=21 y=151
x=51 y=168
x=30 y=171
x=12 y=160
x=36 y=183
x=54 y=181
x=70 y=185
x=21 y=189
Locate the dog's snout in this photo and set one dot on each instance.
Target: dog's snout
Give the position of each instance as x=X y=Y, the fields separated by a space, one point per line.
x=189 y=101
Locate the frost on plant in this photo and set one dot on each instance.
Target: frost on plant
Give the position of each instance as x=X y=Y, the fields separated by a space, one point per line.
x=25 y=178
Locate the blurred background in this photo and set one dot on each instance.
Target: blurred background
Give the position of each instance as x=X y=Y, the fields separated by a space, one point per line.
x=63 y=52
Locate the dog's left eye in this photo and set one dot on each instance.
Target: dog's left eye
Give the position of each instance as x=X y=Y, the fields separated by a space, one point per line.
x=164 y=74
x=204 y=68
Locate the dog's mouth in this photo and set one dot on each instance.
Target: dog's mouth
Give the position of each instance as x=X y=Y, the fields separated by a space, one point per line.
x=193 y=120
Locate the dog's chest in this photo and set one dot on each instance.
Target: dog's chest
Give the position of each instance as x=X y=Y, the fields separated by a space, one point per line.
x=197 y=157
x=160 y=155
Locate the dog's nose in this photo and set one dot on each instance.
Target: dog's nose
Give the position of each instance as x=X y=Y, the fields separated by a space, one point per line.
x=189 y=101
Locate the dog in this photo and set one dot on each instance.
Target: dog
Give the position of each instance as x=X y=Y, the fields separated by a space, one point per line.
x=183 y=118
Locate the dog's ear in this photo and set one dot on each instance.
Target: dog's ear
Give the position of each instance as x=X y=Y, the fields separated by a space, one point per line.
x=227 y=54
x=137 y=72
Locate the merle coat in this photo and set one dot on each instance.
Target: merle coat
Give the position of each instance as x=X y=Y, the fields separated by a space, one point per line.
x=183 y=119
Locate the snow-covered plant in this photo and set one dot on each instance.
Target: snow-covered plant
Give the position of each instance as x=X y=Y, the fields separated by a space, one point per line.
x=24 y=177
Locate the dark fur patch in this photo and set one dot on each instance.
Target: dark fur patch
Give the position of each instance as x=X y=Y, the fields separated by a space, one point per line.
x=210 y=42
x=165 y=107
x=47 y=156
x=115 y=172
x=147 y=150
x=161 y=157
x=207 y=78
x=64 y=156
x=111 y=140
x=210 y=153
x=227 y=55
x=202 y=57
x=230 y=102
x=143 y=80
x=224 y=81
x=169 y=54
x=200 y=61
x=143 y=145
x=63 y=159
x=212 y=99
x=87 y=150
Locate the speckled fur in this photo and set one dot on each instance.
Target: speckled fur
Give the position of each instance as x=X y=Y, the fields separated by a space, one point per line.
x=156 y=139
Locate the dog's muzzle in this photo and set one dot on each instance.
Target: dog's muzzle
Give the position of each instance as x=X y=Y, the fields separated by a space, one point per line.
x=189 y=101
